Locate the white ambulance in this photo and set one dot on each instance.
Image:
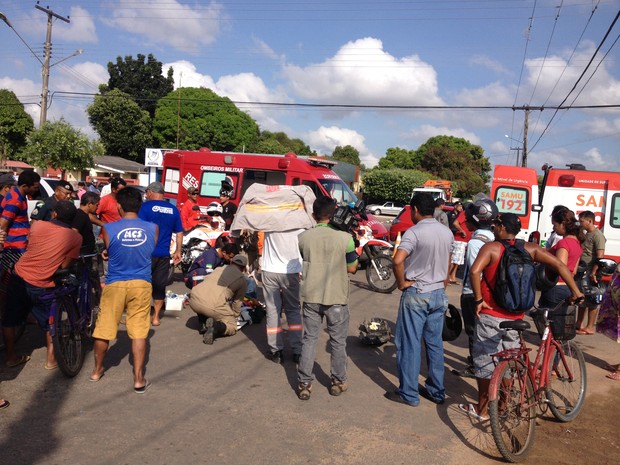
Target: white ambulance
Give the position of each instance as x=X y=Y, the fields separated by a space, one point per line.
x=518 y=190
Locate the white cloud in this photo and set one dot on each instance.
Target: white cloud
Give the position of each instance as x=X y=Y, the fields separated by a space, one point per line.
x=325 y=139
x=426 y=131
x=81 y=29
x=489 y=63
x=28 y=92
x=243 y=87
x=169 y=22
x=363 y=73
x=601 y=127
x=266 y=50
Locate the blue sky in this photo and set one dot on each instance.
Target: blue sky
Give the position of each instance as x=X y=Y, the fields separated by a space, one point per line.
x=498 y=53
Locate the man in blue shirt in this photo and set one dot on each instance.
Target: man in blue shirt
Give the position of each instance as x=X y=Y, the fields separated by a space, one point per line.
x=167 y=217
x=129 y=244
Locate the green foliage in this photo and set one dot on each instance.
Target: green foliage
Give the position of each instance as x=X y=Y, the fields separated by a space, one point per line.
x=348 y=154
x=124 y=128
x=280 y=143
x=15 y=125
x=203 y=119
x=393 y=184
x=141 y=78
x=395 y=157
x=58 y=145
x=458 y=160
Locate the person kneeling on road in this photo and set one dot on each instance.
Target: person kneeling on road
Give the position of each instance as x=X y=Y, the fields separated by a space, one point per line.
x=219 y=298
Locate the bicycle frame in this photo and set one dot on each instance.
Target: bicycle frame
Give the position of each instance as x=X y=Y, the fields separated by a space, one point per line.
x=535 y=370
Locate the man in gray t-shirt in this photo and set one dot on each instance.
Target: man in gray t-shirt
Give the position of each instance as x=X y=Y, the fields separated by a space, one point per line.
x=421 y=270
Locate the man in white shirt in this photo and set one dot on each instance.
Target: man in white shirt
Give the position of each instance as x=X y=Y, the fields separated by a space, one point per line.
x=281 y=268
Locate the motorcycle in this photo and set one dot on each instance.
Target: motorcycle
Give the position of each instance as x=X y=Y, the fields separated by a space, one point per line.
x=378 y=257
x=195 y=242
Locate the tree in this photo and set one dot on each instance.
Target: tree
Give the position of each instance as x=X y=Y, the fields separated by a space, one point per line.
x=201 y=118
x=141 y=78
x=393 y=184
x=395 y=157
x=279 y=142
x=347 y=154
x=58 y=145
x=458 y=160
x=124 y=128
x=15 y=125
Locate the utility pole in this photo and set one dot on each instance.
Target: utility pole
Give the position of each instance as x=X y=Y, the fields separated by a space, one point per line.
x=518 y=149
x=46 y=61
x=525 y=128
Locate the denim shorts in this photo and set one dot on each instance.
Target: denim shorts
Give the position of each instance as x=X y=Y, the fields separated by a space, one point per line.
x=22 y=299
x=489 y=339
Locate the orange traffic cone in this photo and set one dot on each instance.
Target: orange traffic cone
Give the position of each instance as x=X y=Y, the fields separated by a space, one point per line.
x=396 y=244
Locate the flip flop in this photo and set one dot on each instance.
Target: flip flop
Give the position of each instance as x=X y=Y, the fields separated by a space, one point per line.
x=50 y=367
x=95 y=380
x=4 y=404
x=612 y=368
x=615 y=376
x=143 y=389
x=470 y=409
x=583 y=332
x=156 y=324
x=23 y=359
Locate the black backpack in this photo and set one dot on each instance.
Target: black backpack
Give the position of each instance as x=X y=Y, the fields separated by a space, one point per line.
x=515 y=283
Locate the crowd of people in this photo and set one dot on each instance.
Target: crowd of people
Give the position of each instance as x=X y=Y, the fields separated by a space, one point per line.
x=304 y=274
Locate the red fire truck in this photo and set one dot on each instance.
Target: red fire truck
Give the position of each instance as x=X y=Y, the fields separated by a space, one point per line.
x=206 y=169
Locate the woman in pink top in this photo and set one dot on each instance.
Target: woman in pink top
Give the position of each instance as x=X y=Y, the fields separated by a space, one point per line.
x=568 y=250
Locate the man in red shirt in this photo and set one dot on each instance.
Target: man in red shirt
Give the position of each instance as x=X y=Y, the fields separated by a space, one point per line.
x=52 y=245
x=462 y=235
x=108 y=206
x=189 y=216
x=489 y=338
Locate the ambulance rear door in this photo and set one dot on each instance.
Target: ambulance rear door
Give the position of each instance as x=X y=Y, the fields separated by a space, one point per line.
x=515 y=190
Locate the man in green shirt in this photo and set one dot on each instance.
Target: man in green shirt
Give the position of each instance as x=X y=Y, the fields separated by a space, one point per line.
x=593 y=249
x=328 y=256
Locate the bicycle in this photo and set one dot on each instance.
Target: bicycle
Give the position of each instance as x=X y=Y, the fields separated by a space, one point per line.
x=556 y=378
x=74 y=306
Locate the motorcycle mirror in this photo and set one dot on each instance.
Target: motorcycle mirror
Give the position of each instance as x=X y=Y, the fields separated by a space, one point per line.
x=196 y=207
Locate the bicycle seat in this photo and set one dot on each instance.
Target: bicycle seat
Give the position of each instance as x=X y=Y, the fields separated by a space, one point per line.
x=517 y=325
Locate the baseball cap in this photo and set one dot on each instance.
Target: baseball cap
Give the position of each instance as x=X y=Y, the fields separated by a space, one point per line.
x=240 y=260
x=510 y=221
x=192 y=190
x=156 y=187
x=7 y=179
x=66 y=185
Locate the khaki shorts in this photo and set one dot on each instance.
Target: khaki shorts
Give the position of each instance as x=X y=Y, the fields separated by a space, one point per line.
x=133 y=296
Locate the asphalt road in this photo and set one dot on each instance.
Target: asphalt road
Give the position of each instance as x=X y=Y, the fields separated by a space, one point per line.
x=227 y=404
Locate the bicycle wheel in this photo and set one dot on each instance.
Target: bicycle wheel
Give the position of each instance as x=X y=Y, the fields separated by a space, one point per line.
x=513 y=410
x=566 y=389
x=69 y=343
x=381 y=279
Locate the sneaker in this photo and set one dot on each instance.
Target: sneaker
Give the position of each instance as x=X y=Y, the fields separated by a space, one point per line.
x=304 y=390
x=296 y=358
x=466 y=373
x=275 y=356
x=209 y=334
x=337 y=387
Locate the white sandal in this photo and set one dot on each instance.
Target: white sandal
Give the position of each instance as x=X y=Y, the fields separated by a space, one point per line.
x=470 y=409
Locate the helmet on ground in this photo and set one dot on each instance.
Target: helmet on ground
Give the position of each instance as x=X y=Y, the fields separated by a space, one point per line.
x=374 y=332
x=214 y=209
x=452 y=324
x=481 y=212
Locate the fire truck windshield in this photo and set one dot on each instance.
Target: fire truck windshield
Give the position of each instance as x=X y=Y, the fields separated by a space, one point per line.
x=339 y=191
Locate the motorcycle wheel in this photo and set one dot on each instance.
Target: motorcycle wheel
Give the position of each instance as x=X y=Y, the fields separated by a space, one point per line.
x=380 y=275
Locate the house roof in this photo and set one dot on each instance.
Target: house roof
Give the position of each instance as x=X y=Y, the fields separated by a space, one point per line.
x=15 y=165
x=118 y=165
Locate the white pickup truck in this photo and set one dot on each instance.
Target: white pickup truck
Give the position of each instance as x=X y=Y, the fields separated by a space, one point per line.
x=46 y=189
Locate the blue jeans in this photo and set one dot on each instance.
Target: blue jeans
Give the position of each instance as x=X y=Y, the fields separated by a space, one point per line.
x=420 y=316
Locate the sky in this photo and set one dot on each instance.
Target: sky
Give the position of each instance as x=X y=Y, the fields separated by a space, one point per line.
x=371 y=74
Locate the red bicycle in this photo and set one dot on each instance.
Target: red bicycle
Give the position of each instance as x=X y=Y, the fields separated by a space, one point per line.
x=555 y=379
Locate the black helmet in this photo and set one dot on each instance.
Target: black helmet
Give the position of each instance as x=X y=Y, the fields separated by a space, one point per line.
x=452 y=324
x=374 y=332
x=481 y=212
x=545 y=278
x=606 y=266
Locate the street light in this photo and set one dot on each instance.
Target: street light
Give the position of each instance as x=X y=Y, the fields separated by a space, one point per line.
x=518 y=149
x=45 y=63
